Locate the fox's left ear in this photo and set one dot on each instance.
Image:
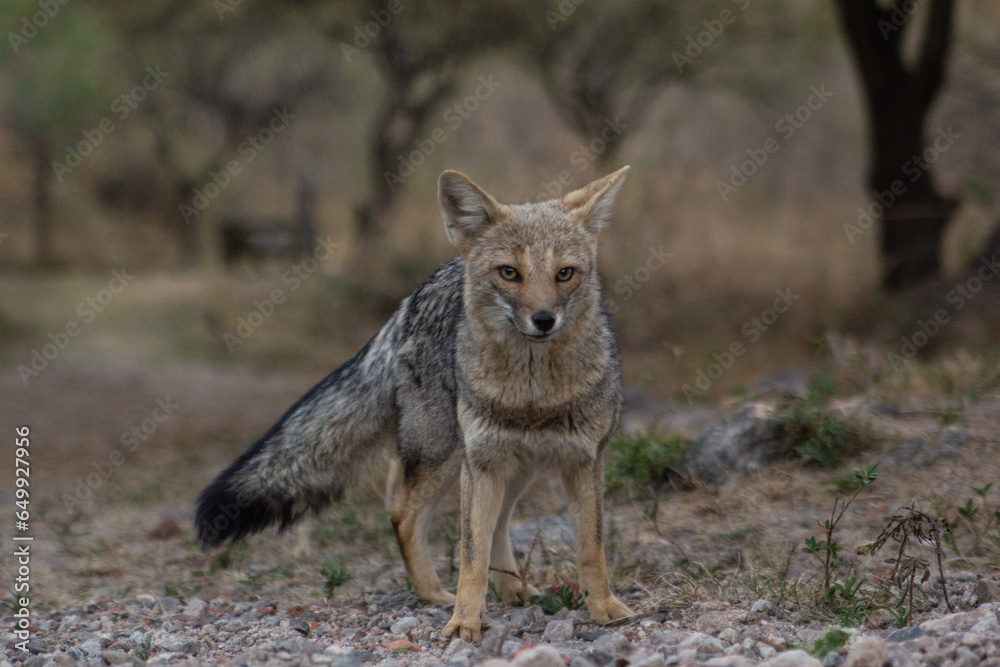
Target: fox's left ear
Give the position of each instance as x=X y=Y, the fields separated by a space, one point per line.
x=593 y=202
x=466 y=208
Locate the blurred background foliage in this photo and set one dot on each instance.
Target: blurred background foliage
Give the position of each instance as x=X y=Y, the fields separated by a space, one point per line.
x=113 y=117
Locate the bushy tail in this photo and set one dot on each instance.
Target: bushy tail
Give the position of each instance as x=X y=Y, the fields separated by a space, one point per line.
x=306 y=460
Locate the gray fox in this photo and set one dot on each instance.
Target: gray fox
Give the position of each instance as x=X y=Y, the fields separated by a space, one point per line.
x=502 y=363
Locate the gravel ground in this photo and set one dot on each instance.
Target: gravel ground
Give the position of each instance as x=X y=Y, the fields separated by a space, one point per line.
x=393 y=629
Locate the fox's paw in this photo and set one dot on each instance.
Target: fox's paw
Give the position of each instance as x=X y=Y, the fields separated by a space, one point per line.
x=608 y=609
x=466 y=626
x=514 y=593
x=439 y=597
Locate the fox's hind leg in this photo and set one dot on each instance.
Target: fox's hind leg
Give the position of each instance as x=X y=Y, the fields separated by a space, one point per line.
x=504 y=570
x=422 y=490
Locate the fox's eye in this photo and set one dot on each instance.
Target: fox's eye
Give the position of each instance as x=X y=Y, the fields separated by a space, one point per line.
x=509 y=273
x=564 y=274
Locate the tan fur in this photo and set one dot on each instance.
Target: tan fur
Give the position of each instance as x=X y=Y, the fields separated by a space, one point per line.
x=524 y=404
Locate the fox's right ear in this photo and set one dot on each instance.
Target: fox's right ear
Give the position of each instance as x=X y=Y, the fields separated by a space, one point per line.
x=466 y=208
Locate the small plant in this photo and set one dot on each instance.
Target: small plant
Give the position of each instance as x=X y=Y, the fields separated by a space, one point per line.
x=827 y=551
x=644 y=459
x=334 y=576
x=904 y=528
x=973 y=514
x=831 y=640
x=815 y=433
x=559 y=596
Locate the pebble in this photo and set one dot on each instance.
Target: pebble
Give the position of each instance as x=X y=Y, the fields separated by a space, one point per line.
x=404 y=624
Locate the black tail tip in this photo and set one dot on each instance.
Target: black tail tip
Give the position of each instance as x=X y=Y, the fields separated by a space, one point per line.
x=222 y=515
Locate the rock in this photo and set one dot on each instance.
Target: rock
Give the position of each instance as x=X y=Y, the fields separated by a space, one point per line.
x=528 y=619
x=299 y=625
x=492 y=646
x=714 y=622
x=116 y=657
x=760 y=606
x=614 y=644
x=35 y=646
x=868 y=652
x=403 y=625
x=704 y=645
x=91 y=647
x=558 y=631
x=906 y=634
x=833 y=659
x=649 y=661
x=729 y=635
x=164 y=530
x=401 y=646
x=960 y=622
x=741 y=443
x=955 y=435
x=987 y=590
x=346 y=661
x=730 y=661
x=796 y=658
x=540 y=656
x=397 y=600
x=195 y=610
x=495 y=662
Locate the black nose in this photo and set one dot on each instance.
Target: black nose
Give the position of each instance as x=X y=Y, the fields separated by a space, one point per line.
x=544 y=321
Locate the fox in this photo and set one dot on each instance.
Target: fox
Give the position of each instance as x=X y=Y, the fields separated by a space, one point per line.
x=500 y=365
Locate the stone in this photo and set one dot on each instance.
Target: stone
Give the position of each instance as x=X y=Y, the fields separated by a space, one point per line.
x=870 y=651
x=703 y=644
x=558 y=631
x=614 y=644
x=493 y=640
x=116 y=657
x=987 y=590
x=960 y=622
x=91 y=647
x=729 y=635
x=195 y=611
x=539 y=656
x=403 y=625
x=906 y=634
x=796 y=658
x=760 y=606
x=743 y=442
x=648 y=661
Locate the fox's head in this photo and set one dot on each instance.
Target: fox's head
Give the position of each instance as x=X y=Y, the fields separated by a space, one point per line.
x=531 y=268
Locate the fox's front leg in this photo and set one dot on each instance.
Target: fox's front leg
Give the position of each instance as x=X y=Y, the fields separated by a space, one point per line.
x=585 y=489
x=482 y=496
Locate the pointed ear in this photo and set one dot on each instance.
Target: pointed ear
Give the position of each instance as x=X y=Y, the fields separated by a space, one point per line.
x=593 y=202
x=466 y=208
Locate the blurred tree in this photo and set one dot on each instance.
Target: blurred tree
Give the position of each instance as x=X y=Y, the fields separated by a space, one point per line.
x=602 y=64
x=56 y=81
x=239 y=72
x=419 y=49
x=899 y=94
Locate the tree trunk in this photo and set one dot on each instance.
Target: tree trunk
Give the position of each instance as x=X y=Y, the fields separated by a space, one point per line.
x=898 y=96
x=42 y=182
x=913 y=213
x=188 y=234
